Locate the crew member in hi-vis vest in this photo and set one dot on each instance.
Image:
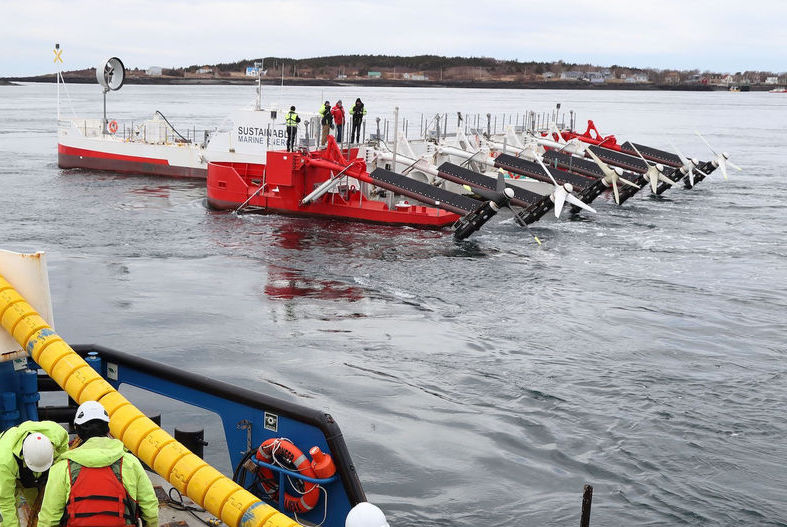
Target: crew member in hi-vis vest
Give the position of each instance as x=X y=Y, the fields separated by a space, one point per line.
x=97 y=483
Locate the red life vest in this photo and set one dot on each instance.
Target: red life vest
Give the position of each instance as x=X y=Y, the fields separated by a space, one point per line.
x=98 y=497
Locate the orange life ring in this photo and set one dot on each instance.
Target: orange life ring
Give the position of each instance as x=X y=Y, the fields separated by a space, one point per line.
x=280 y=451
x=113 y=127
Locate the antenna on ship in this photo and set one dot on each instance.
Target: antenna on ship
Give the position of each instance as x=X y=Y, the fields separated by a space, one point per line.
x=58 y=74
x=110 y=75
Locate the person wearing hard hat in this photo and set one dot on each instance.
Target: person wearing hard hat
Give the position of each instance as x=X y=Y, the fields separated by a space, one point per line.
x=326 y=119
x=97 y=483
x=26 y=453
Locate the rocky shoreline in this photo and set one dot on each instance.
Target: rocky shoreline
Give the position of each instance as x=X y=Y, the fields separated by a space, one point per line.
x=545 y=85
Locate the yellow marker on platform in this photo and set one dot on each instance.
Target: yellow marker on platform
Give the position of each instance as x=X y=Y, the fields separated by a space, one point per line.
x=58 y=53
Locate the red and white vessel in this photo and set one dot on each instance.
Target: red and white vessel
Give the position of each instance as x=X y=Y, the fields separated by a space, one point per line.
x=148 y=149
x=152 y=147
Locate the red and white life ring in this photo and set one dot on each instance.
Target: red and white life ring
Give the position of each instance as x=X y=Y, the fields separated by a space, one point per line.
x=282 y=452
x=113 y=127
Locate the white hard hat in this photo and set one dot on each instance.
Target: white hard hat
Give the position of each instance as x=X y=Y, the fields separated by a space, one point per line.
x=90 y=410
x=365 y=514
x=38 y=452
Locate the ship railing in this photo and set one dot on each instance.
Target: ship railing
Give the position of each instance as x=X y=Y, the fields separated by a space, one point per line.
x=442 y=126
x=149 y=131
x=81 y=127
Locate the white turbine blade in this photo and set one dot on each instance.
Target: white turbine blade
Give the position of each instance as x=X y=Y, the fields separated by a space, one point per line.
x=595 y=157
x=723 y=166
x=733 y=165
x=653 y=176
x=640 y=155
x=665 y=179
x=683 y=158
x=691 y=176
x=579 y=203
x=560 y=199
x=615 y=190
x=608 y=172
x=707 y=143
x=540 y=162
x=553 y=128
x=627 y=182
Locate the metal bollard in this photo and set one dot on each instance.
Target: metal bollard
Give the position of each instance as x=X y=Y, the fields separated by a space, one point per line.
x=193 y=439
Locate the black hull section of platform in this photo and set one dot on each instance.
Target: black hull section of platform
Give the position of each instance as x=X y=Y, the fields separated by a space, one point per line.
x=423 y=192
x=578 y=165
x=533 y=170
x=652 y=154
x=570 y=163
x=534 y=205
x=634 y=168
x=587 y=188
x=619 y=159
x=706 y=167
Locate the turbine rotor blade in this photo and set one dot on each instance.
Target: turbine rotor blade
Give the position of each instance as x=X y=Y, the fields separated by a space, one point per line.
x=540 y=162
x=706 y=142
x=654 y=178
x=579 y=203
x=615 y=190
x=665 y=179
x=627 y=182
x=560 y=199
x=501 y=183
x=609 y=174
x=683 y=158
x=640 y=155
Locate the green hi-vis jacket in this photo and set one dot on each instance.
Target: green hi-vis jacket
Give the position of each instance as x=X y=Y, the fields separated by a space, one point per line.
x=97 y=452
x=292 y=119
x=10 y=449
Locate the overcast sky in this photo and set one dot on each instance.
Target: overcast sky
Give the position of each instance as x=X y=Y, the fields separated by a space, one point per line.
x=717 y=35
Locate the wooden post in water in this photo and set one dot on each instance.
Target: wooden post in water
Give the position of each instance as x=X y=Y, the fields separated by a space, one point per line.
x=587 y=498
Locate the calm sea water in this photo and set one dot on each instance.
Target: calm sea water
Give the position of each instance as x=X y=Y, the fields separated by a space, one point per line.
x=641 y=350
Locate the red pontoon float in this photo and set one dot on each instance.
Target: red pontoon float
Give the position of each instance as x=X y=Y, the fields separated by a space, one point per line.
x=321 y=183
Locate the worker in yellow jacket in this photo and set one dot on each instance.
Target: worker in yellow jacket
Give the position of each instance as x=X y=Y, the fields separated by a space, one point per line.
x=97 y=483
x=26 y=453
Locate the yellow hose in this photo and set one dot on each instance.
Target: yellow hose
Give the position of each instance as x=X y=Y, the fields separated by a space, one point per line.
x=205 y=485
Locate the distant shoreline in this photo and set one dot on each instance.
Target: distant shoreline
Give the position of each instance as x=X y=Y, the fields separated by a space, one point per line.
x=387 y=83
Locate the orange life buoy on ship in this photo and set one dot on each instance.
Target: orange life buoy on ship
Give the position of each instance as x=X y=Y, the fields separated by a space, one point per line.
x=113 y=127
x=282 y=452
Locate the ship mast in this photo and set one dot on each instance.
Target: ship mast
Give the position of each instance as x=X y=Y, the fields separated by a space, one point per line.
x=258 y=66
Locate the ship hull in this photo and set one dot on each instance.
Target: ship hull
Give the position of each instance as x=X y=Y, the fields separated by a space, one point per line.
x=232 y=185
x=70 y=157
